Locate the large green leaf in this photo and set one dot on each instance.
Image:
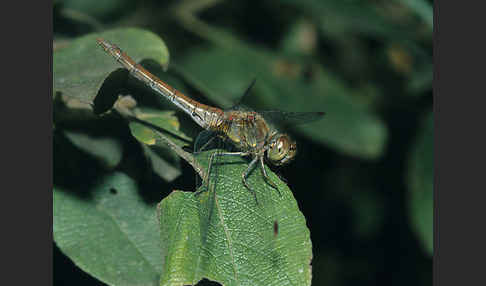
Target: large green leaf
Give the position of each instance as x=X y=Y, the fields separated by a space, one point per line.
x=421 y=184
x=109 y=231
x=281 y=84
x=225 y=236
x=80 y=69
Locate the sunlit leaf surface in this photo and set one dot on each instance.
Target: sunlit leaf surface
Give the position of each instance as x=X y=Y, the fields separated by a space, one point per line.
x=224 y=236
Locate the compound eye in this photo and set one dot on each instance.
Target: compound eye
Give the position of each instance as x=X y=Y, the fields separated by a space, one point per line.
x=281 y=151
x=282 y=145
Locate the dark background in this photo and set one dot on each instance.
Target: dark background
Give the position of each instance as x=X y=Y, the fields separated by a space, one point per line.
x=357 y=209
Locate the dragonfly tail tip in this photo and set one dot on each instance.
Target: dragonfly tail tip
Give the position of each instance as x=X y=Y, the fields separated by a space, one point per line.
x=102 y=42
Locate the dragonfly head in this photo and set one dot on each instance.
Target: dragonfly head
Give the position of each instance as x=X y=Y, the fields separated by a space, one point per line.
x=282 y=149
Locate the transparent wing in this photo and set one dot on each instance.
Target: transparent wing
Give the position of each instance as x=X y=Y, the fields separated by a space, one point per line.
x=205 y=140
x=210 y=140
x=239 y=105
x=277 y=116
x=245 y=95
x=291 y=118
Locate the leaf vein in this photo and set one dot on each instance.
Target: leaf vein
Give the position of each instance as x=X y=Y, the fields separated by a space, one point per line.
x=228 y=238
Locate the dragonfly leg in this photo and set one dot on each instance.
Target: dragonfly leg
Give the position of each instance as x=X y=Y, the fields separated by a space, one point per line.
x=262 y=164
x=210 y=163
x=204 y=146
x=251 y=166
x=203 y=140
x=198 y=192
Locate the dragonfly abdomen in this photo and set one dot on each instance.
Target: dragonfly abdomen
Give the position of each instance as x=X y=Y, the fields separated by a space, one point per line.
x=204 y=115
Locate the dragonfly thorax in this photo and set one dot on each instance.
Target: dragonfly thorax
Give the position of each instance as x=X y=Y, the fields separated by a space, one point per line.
x=249 y=132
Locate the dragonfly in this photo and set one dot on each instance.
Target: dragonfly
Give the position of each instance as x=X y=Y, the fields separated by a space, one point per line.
x=252 y=133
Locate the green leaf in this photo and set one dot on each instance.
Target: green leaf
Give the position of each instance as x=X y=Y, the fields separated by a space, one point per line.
x=421 y=184
x=224 y=236
x=421 y=80
x=301 y=39
x=67 y=108
x=81 y=68
x=423 y=9
x=165 y=120
x=167 y=169
x=337 y=18
x=108 y=149
x=164 y=162
x=98 y=137
x=109 y=231
x=100 y=9
x=281 y=84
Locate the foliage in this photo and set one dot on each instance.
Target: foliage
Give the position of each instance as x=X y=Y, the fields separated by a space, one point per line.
x=224 y=235
x=421 y=179
x=109 y=231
